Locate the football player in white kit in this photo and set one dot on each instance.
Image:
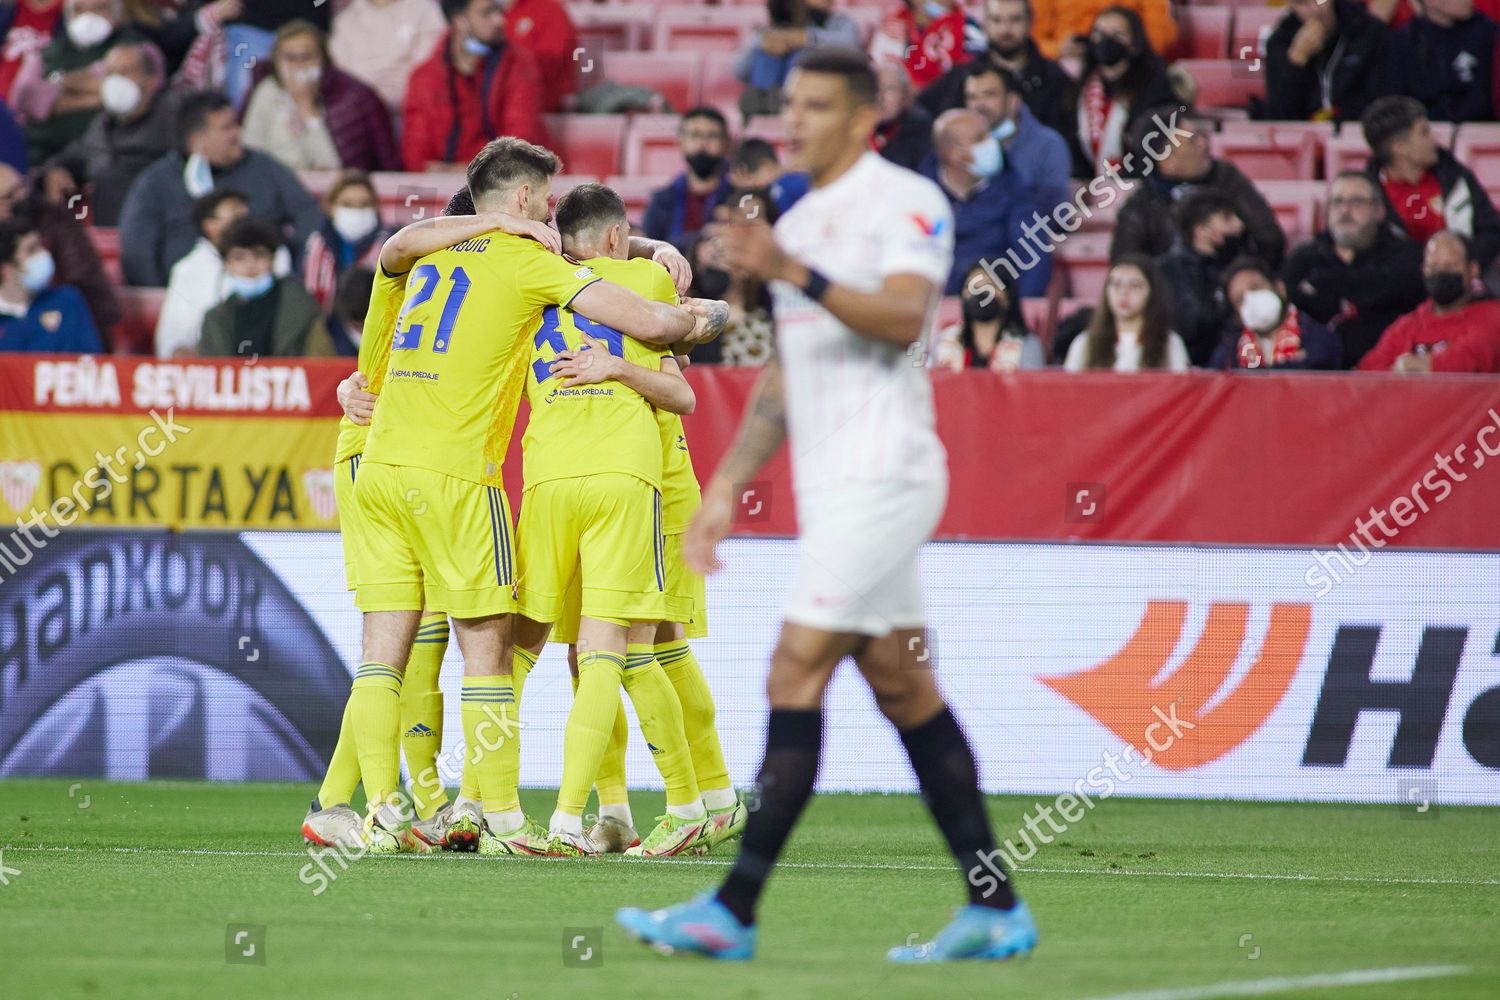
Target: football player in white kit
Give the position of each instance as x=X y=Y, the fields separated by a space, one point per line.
x=856 y=268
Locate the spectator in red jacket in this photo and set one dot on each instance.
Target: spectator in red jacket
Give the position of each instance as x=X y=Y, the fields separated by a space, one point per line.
x=543 y=28
x=927 y=36
x=1453 y=331
x=473 y=88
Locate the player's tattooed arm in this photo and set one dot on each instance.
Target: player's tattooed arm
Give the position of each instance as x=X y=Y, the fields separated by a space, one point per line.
x=665 y=389
x=649 y=322
x=761 y=433
x=712 y=318
x=411 y=243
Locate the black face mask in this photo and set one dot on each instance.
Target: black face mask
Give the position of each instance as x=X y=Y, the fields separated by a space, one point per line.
x=982 y=309
x=704 y=164
x=1445 y=287
x=1229 y=249
x=1106 y=50
x=711 y=282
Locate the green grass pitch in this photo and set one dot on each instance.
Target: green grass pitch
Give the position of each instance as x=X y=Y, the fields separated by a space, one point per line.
x=131 y=890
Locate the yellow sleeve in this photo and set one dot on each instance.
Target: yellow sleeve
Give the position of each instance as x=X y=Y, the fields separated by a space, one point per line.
x=386 y=297
x=545 y=279
x=663 y=288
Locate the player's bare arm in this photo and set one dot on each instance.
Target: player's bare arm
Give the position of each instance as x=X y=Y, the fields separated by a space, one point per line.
x=896 y=314
x=411 y=243
x=761 y=433
x=357 y=403
x=649 y=322
x=665 y=389
x=667 y=256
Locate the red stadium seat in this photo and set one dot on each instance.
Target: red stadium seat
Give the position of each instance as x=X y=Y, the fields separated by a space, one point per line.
x=1345 y=152
x=1274 y=157
x=636 y=192
x=1084 y=259
x=136 y=332
x=651 y=146
x=1252 y=26
x=1225 y=83
x=769 y=128
x=677 y=76
x=1203 y=32
x=1479 y=150
x=588 y=144
x=1297 y=204
x=611 y=27
x=721 y=88
x=707 y=29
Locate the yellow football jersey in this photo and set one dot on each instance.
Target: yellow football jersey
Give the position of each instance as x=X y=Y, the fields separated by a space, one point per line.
x=680 y=494
x=593 y=429
x=458 y=354
x=374 y=351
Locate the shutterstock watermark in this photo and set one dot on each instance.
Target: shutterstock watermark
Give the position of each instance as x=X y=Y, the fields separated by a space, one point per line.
x=93 y=486
x=1330 y=569
x=1072 y=806
x=1039 y=241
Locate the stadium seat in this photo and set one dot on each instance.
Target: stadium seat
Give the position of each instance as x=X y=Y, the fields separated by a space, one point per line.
x=1202 y=32
x=1252 y=26
x=1224 y=83
x=721 y=88
x=610 y=27
x=136 y=331
x=588 y=144
x=707 y=29
x=1345 y=152
x=106 y=242
x=1084 y=259
x=1272 y=157
x=769 y=128
x=636 y=192
x=651 y=146
x=677 y=76
x=1478 y=148
x=1297 y=204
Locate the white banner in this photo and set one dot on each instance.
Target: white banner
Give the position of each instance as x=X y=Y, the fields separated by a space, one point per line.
x=1152 y=670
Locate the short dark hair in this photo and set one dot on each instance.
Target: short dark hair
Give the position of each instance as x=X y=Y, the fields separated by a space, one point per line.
x=704 y=111
x=1386 y=120
x=194 y=109
x=1030 y=13
x=1200 y=206
x=251 y=234
x=1463 y=241
x=852 y=65
x=983 y=67
x=1245 y=263
x=587 y=209
x=453 y=8
x=351 y=296
x=12 y=232
x=207 y=207
x=752 y=154
x=508 y=161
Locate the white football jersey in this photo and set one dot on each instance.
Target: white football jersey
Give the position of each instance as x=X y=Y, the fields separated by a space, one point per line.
x=859 y=410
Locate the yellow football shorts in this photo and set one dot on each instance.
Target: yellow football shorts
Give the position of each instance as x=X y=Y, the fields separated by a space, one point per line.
x=606 y=530
x=687 y=599
x=434 y=541
x=351 y=520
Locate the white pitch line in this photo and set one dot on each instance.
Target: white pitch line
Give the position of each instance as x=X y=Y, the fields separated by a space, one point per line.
x=1281 y=984
x=808 y=865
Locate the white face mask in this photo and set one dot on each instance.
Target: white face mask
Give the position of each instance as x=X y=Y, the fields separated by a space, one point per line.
x=89 y=29
x=306 y=75
x=1260 y=310
x=354 y=224
x=120 y=95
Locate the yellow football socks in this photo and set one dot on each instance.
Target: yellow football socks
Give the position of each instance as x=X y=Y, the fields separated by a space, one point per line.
x=590 y=721
x=375 y=704
x=493 y=740
x=342 y=776
x=660 y=715
x=677 y=659
x=422 y=714
x=610 y=782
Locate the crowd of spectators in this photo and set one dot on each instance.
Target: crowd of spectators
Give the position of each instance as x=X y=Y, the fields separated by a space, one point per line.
x=195 y=127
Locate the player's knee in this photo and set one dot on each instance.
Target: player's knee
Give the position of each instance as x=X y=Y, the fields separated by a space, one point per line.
x=795 y=681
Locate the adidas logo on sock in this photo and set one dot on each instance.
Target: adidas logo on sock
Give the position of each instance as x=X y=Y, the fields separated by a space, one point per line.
x=419 y=730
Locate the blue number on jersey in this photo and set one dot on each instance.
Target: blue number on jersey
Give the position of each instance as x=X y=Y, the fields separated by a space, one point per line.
x=550 y=333
x=411 y=338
